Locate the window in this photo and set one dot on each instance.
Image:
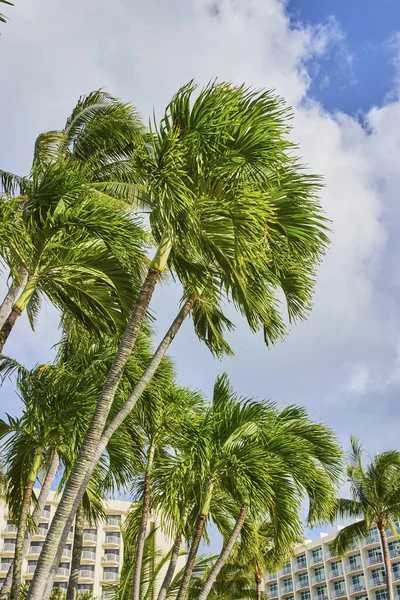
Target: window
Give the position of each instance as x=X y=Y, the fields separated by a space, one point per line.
x=287 y=585
x=396 y=570
x=339 y=586
x=5 y=563
x=111 y=574
x=273 y=589
x=358 y=583
x=319 y=574
x=305 y=595
x=355 y=561
x=31 y=566
x=114 y=520
x=322 y=591
x=381 y=595
x=337 y=568
x=301 y=560
x=61 y=584
x=374 y=554
x=287 y=568
x=85 y=587
x=303 y=578
x=317 y=555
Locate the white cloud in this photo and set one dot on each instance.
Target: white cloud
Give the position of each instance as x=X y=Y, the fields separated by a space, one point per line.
x=142 y=51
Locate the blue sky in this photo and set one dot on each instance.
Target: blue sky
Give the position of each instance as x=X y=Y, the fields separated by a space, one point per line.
x=338 y=65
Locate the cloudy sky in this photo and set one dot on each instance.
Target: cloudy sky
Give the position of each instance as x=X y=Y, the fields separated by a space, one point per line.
x=338 y=64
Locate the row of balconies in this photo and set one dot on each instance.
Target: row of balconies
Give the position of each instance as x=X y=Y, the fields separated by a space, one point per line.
x=86 y=574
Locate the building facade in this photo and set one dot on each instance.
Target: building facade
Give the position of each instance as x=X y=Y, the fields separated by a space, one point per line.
x=313 y=573
x=102 y=551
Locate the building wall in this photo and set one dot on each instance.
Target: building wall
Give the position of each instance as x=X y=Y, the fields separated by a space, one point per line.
x=102 y=552
x=314 y=574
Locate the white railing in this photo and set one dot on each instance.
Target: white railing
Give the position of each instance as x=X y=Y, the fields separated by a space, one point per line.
x=318 y=578
x=371 y=538
x=375 y=581
x=335 y=573
x=300 y=565
x=46 y=514
x=11 y=528
x=90 y=537
x=113 y=522
x=357 y=587
x=89 y=555
x=287 y=570
x=339 y=593
x=111 y=576
x=110 y=558
x=9 y=548
x=315 y=560
x=289 y=589
x=396 y=576
x=31 y=569
x=354 y=567
x=394 y=552
x=41 y=531
x=302 y=584
x=62 y=572
x=67 y=553
x=4 y=566
x=374 y=560
x=112 y=539
x=86 y=574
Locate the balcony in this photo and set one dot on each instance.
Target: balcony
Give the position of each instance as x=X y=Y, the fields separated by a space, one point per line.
x=113 y=540
x=7 y=547
x=10 y=528
x=272 y=576
x=396 y=576
x=355 y=566
x=374 y=560
x=377 y=581
x=4 y=566
x=357 y=587
x=300 y=565
x=111 y=576
x=41 y=532
x=86 y=574
x=300 y=585
x=62 y=572
x=90 y=538
x=316 y=560
x=394 y=552
x=113 y=522
x=287 y=590
x=67 y=553
x=34 y=550
x=287 y=569
x=88 y=555
x=339 y=593
x=111 y=558
x=329 y=555
x=336 y=573
x=45 y=514
x=371 y=538
x=318 y=579
x=31 y=569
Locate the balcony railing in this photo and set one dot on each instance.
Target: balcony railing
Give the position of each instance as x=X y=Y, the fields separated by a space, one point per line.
x=42 y=531
x=31 y=569
x=336 y=572
x=86 y=574
x=62 y=572
x=372 y=537
x=113 y=539
x=67 y=553
x=318 y=578
x=90 y=537
x=339 y=593
x=287 y=570
x=111 y=576
x=330 y=554
x=376 y=581
x=45 y=514
x=4 y=566
x=375 y=559
x=288 y=589
x=88 y=555
x=357 y=587
x=394 y=552
x=8 y=547
x=355 y=566
x=302 y=584
x=110 y=558
x=302 y=564
x=271 y=576
x=112 y=522
x=396 y=576
x=315 y=560
x=10 y=528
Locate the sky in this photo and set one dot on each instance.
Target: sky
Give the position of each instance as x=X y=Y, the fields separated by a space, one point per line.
x=337 y=63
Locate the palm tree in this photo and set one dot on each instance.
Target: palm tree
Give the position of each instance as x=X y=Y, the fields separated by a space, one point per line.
x=234 y=582
x=375 y=502
x=235 y=218
x=3 y=18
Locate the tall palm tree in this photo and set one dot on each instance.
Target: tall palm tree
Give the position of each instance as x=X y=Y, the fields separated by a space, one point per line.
x=234 y=582
x=375 y=502
x=235 y=218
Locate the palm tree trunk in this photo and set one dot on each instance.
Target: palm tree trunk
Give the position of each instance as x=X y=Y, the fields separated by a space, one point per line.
x=8 y=327
x=22 y=522
x=18 y=307
x=42 y=499
x=12 y=294
x=137 y=571
x=83 y=470
x=72 y=590
x=258 y=579
x=386 y=560
x=223 y=557
x=162 y=594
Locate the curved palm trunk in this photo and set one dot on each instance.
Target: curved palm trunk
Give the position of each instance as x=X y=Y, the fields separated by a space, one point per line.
x=386 y=560
x=223 y=557
x=8 y=327
x=43 y=495
x=258 y=579
x=82 y=472
x=162 y=594
x=137 y=571
x=12 y=294
x=72 y=590
x=17 y=309
x=22 y=522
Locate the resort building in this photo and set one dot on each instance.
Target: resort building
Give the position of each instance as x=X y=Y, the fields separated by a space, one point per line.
x=102 y=551
x=313 y=573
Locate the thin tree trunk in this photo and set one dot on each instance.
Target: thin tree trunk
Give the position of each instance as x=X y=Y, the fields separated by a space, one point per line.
x=8 y=326
x=18 y=308
x=386 y=560
x=223 y=557
x=162 y=594
x=258 y=578
x=72 y=590
x=42 y=499
x=137 y=570
x=22 y=522
x=76 y=486
x=12 y=295
x=187 y=574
